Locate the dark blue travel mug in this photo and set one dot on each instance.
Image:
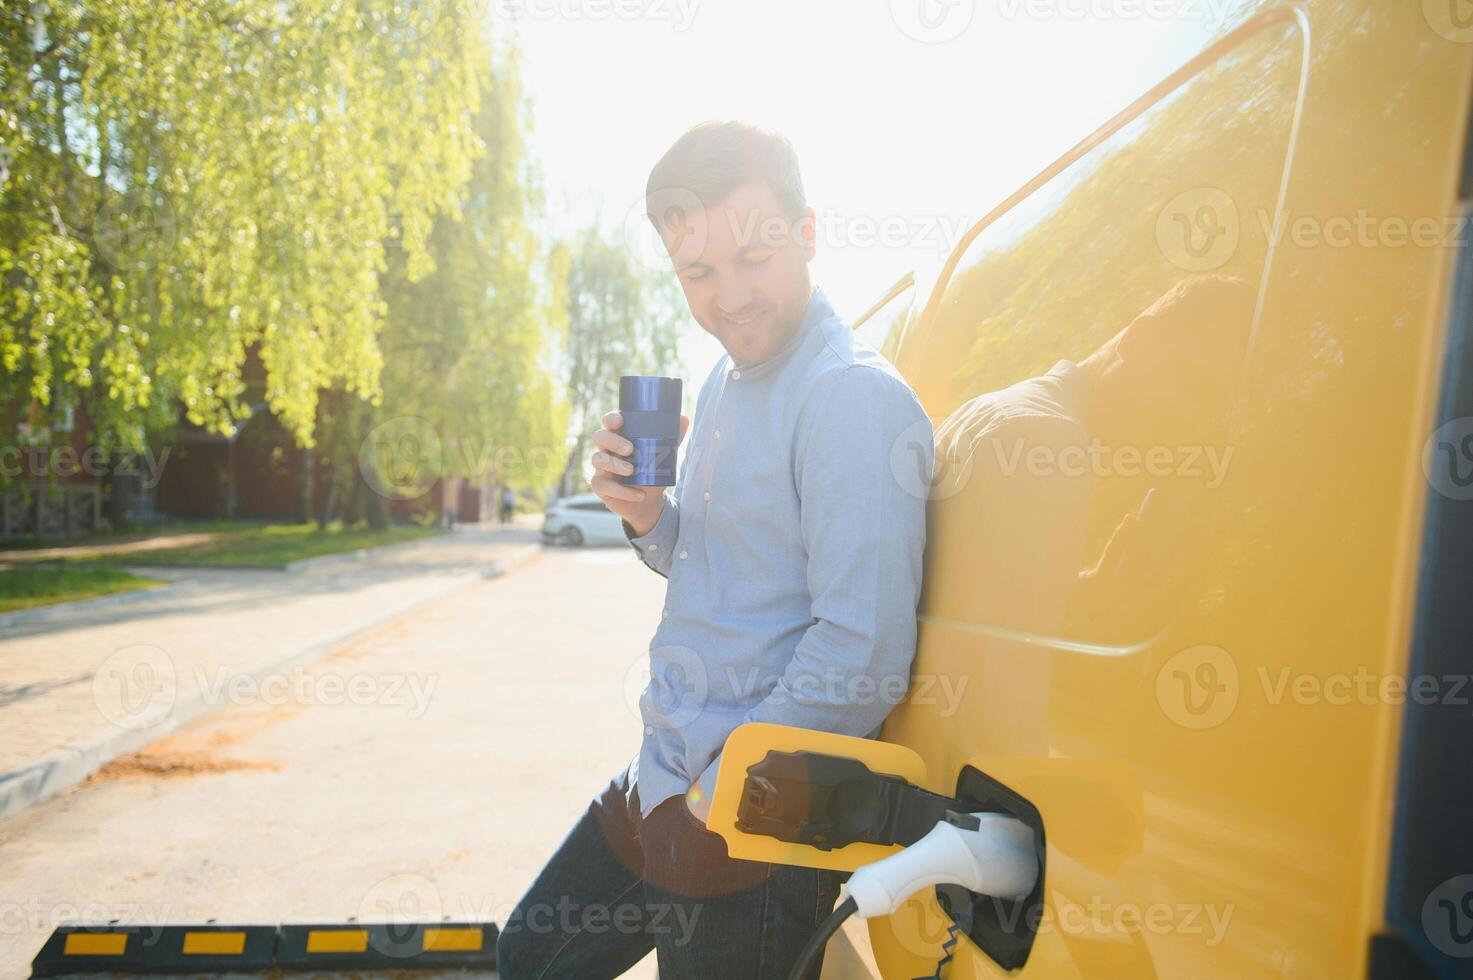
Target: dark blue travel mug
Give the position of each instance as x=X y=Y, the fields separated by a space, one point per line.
x=651 y=409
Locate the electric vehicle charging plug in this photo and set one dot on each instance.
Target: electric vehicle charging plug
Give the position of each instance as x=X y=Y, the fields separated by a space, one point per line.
x=995 y=859
x=998 y=859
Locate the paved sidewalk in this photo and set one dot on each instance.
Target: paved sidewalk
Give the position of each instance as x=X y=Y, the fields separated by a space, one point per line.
x=81 y=683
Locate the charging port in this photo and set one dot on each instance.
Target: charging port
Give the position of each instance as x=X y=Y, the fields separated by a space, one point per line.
x=1001 y=928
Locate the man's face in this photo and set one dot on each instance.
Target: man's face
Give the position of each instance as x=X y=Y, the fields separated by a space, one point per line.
x=743 y=264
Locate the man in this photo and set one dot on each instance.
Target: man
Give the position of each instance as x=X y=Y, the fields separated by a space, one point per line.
x=793 y=553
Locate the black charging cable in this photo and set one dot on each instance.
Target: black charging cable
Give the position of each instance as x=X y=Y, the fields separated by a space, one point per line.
x=820 y=939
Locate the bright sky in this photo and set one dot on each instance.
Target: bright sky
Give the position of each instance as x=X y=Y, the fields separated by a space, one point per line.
x=910 y=117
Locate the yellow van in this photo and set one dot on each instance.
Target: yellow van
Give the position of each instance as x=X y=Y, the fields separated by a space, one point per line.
x=1199 y=571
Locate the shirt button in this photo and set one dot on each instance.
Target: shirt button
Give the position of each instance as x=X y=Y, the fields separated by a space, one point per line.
x=736 y=374
x=718 y=433
x=649 y=729
x=682 y=554
x=706 y=495
x=654 y=547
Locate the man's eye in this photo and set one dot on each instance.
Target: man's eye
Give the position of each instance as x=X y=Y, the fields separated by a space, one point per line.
x=758 y=258
x=696 y=276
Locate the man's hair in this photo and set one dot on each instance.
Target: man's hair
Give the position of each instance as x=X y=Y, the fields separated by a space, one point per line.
x=713 y=158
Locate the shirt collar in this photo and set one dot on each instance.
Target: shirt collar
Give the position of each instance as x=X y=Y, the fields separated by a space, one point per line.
x=817 y=311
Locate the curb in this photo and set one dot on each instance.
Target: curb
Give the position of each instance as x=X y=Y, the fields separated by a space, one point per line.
x=66 y=767
x=21 y=617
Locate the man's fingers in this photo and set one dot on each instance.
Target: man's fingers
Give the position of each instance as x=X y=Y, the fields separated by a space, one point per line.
x=613 y=420
x=611 y=464
x=609 y=442
x=610 y=489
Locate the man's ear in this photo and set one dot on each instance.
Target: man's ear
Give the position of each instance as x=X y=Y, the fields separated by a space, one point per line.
x=807 y=234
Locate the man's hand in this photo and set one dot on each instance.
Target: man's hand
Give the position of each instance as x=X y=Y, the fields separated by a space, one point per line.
x=640 y=506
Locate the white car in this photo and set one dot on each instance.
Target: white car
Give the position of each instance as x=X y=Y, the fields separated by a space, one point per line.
x=581 y=519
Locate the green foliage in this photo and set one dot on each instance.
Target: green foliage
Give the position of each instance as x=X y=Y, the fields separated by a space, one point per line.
x=621 y=320
x=185 y=179
x=469 y=348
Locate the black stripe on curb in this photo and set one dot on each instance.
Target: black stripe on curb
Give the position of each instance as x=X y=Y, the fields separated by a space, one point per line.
x=254 y=948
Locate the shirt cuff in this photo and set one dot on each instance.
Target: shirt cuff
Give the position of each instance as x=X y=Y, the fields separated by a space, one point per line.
x=698 y=797
x=656 y=545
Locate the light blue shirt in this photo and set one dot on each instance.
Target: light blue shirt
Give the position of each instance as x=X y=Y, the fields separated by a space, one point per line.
x=793 y=542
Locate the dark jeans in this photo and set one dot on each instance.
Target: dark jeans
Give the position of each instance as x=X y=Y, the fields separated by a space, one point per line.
x=618 y=886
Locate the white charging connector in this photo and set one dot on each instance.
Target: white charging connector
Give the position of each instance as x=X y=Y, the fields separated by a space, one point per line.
x=996 y=859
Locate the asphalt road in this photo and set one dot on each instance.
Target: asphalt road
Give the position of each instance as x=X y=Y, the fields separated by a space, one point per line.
x=432 y=765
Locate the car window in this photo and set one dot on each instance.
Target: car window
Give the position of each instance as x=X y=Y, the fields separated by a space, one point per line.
x=1081 y=361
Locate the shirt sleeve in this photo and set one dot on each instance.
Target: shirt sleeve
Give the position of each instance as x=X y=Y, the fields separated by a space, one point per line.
x=863 y=467
x=656 y=544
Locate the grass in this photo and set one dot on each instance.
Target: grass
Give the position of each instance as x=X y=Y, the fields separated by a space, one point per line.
x=29 y=586
x=276 y=545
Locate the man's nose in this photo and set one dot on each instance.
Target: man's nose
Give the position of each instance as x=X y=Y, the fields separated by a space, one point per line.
x=732 y=296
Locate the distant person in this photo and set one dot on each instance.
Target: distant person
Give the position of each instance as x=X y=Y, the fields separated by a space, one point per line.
x=508 y=504
x=793 y=554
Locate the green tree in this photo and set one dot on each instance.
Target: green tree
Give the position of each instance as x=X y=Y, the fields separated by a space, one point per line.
x=621 y=320
x=184 y=180
x=469 y=348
